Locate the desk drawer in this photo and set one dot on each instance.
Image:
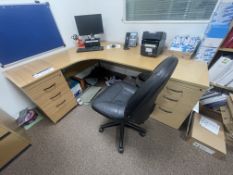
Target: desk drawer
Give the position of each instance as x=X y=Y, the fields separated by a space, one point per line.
x=171 y=117
x=180 y=93
x=53 y=97
x=46 y=86
x=56 y=104
x=58 y=110
x=175 y=102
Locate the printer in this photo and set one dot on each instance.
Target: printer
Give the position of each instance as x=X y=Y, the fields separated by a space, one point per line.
x=152 y=43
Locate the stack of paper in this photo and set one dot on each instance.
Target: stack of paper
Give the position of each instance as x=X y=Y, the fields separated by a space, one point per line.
x=221 y=73
x=213 y=99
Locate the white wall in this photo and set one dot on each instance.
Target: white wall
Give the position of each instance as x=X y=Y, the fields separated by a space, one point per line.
x=12 y=100
x=115 y=29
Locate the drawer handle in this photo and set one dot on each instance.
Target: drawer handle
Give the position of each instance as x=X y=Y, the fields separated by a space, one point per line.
x=58 y=94
x=58 y=105
x=5 y=135
x=48 y=88
x=170 y=98
x=174 y=90
x=164 y=110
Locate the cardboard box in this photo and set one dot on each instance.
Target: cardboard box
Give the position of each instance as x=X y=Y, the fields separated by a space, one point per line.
x=231 y=96
x=204 y=139
x=230 y=105
x=214 y=114
x=229 y=139
x=227 y=118
x=178 y=54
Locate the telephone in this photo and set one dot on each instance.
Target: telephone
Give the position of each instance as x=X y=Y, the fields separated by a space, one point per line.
x=131 y=40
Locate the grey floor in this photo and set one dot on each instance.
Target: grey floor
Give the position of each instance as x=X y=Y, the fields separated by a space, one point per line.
x=75 y=147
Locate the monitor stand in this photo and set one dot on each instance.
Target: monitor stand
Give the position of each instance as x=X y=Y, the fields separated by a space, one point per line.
x=91 y=37
x=92 y=42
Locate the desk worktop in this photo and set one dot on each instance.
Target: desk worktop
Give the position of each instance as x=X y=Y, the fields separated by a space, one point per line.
x=188 y=71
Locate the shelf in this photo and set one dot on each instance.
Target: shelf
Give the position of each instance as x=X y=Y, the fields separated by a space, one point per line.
x=226 y=49
x=222 y=87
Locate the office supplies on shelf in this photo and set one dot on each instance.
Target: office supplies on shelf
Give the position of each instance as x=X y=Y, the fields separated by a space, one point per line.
x=210 y=93
x=131 y=40
x=216 y=100
x=221 y=73
x=211 y=42
x=227 y=78
x=153 y=43
x=205 y=53
x=216 y=31
x=23 y=36
x=228 y=42
x=90 y=49
x=219 y=68
x=220 y=20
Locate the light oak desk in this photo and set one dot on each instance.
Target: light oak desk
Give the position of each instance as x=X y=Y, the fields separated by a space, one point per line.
x=52 y=95
x=11 y=145
x=12 y=140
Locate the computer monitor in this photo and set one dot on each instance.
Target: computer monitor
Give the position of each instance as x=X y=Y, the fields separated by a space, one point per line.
x=89 y=24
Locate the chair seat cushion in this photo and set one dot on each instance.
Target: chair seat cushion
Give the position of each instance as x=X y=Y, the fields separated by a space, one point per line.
x=112 y=101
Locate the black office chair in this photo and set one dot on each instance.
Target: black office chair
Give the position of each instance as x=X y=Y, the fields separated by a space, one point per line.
x=142 y=77
x=128 y=105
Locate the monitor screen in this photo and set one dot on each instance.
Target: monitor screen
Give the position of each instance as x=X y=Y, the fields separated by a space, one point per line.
x=89 y=24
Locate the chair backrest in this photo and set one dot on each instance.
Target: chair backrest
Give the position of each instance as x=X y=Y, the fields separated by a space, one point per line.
x=141 y=104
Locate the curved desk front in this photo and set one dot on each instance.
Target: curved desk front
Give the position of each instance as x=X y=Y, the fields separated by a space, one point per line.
x=52 y=95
